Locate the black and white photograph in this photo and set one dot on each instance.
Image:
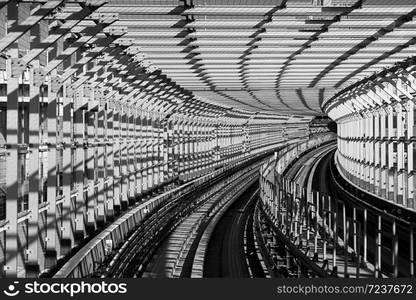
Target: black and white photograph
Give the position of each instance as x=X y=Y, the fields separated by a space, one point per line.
x=167 y=144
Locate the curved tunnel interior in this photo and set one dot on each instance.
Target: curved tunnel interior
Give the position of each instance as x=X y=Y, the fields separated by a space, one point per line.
x=206 y=138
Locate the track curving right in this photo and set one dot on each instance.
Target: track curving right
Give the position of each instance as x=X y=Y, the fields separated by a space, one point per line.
x=231 y=251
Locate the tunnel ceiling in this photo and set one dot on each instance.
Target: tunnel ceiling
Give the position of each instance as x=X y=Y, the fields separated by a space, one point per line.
x=268 y=55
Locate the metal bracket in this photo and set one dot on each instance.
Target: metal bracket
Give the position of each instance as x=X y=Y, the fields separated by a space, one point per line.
x=69 y=91
x=17 y=67
x=104 y=17
x=87 y=90
x=134 y=50
x=110 y=105
x=116 y=31
x=152 y=68
x=145 y=63
x=124 y=42
x=38 y=77
x=98 y=95
x=56 y=84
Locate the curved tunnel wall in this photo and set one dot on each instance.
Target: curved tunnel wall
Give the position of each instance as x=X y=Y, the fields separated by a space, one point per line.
x=377 y=134
x=88 y=126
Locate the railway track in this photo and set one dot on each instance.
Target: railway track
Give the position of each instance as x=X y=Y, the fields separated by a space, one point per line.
x=182 y=253
x=125 y=247
x=285 y=258
x=166 y=244
x=221 y=230
x=231 y=251
x=233 y=245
